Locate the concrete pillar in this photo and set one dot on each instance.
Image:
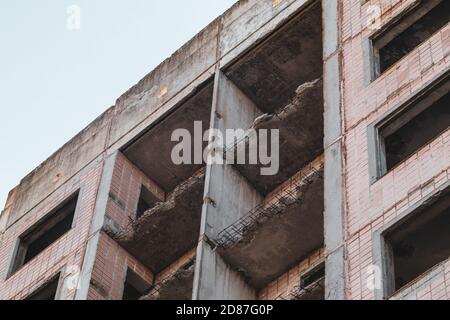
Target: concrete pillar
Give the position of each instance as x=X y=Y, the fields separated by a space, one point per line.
x=96 y=227
x=228 y=197
x=334 y=193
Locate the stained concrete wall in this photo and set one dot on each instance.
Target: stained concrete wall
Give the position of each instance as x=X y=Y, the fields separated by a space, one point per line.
x=334 y=214
x=228 y=197
x=218 y=45
x=158 y=93
x=214 y=280
x=232 y=195
x=61 y=167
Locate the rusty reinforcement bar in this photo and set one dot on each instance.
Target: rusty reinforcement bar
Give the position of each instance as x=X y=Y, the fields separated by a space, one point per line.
x=290 y=195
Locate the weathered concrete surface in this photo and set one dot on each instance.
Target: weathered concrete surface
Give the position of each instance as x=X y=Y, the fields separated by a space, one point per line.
x=216 y=280
x=232 y=195
x=156 y=95
x=96 y=228
x=152 y=151
x=236 y=110
x=62 y=166
x=301 y=136
x=271 y=73
x=167 y=80
x=334 y=195
x=277 y=242
x=176 y=287
x=229 y=196
x=4 y=214
x=241 y=22
x=169 y=230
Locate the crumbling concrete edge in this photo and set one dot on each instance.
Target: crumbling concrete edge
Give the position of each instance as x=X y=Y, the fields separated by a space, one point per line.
x=213 y=277
x=96 y=228
x=154 y=293
x=334 y=191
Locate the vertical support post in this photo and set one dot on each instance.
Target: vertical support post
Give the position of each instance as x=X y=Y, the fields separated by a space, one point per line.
x=228 y=197
x=96 y=227
x=334 y=193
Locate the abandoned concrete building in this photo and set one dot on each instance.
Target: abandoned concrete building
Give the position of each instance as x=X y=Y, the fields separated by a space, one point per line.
x=360 y=206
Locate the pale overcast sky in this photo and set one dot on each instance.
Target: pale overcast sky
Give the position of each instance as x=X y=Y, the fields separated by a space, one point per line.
x=53 y=81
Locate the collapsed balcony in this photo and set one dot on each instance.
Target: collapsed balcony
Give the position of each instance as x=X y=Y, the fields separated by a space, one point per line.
x=177 y=285
x=152 y=151
x=162 y=232
x=270 y=73
x=281 y=76
x=313 y=292
x=277 y=234
x=169 y=229
x=300 y=126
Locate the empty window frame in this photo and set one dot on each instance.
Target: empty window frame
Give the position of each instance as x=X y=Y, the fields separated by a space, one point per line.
x=44 y=233
x=48 y=291
x=312 y=284
x=134 y=287
x=410 y=127
x=407 y=32
x=146 y=201
x=417 y=243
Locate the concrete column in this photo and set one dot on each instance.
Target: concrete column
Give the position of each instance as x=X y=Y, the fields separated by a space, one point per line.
x=334 y=193
x=228 y=197
x=96 y=227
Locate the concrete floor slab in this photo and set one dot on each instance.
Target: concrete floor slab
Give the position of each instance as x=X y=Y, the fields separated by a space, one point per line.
x=177 y=286
x=276 y=243
x=301 y=136
x=152 y=151
x=169 y=230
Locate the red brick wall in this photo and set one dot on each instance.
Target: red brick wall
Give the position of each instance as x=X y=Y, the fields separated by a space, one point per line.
x=369 y=207
x=292 y=183
x=174 y=267
x=112 y=260
x=430 y=286
x=68 y=251
x=284 y=285
x=125 y=191
x=287 y=282
x=110 y=267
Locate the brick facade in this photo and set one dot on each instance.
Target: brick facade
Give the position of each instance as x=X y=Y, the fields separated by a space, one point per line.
x=65 y=255
x=368 y=207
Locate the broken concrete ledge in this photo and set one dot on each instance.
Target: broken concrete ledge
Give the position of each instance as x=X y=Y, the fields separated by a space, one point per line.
x=300 y=125
x=167 y=231
x=274 y=237
x=315 y=291
x=176 y=286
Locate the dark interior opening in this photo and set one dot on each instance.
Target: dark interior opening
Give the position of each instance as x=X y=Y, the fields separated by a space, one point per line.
x=146 y=201
x=134 y=287
x=414 y=129
x=46 y=292
x=270 y=73
x=421 y=242
x=152 y=151
x=165 y=230
x=282 y=77
x=313 y=284
x=130 y=292
x=45 y=233
x=313 y=276
x=411 y=31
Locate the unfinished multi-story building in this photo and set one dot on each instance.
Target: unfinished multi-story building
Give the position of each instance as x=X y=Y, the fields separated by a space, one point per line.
x=360 y=206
